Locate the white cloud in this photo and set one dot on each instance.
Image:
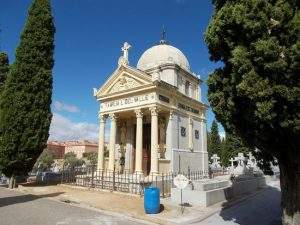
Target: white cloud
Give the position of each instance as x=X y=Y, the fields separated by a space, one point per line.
x=63 y=129
x=60 y=106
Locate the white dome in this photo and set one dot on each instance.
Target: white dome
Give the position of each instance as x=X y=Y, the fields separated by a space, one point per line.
x=161 y=54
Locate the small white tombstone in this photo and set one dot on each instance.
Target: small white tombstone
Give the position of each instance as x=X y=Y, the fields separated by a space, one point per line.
x=232 y=166
x=216 y=163
x=251 y=160
x=240 y=169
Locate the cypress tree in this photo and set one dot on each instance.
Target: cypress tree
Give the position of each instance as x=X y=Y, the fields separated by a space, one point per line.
x=231 y=146
x=214 y=143
x=25 y=113
x=255 y=93
x=4 y=68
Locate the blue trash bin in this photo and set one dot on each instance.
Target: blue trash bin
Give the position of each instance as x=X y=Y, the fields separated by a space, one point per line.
x=151 y=200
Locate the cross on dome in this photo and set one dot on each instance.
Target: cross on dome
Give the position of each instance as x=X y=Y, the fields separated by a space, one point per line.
x=163 y=36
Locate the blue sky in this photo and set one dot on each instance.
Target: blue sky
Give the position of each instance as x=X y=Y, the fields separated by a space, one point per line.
x=89 y=35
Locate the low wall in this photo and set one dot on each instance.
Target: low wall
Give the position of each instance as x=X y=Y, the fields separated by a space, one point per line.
x=214 y=192
x=245 y=186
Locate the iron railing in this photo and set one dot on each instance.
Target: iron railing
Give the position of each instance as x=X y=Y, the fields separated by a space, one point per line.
x=124 y=182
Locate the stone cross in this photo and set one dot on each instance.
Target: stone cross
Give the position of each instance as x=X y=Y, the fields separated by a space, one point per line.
x=252 y=160
x=125 y=49
x=240 y=158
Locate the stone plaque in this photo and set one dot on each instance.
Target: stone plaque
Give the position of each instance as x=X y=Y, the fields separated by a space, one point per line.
x=183 y=131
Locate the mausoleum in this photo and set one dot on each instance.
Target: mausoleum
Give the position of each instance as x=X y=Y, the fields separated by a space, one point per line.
x=155 y=113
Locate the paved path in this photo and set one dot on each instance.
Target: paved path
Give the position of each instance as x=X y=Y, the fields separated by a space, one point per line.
x=18 y=208
x=261 y=209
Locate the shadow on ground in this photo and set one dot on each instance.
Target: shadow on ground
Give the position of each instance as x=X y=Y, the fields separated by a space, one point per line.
x=261 y=209
x=10 y=200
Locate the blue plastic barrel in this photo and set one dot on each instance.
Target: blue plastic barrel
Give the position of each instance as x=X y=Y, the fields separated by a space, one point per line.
x=151 y=200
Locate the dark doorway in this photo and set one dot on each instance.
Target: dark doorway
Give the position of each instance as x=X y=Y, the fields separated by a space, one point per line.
x=146 y=148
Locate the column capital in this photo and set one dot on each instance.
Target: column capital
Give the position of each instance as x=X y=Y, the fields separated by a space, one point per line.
x=153 y=110
x=113 y=117
x=202 y=114
x=171 y=114
x=139 y=113
x=102 y=117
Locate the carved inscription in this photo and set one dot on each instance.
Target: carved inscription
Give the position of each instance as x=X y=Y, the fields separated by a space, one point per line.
x=127 y=101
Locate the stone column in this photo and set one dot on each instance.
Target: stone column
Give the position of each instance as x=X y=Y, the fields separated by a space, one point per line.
x=204 y=142
x=169 y=136
x=129 y=144
x=191 y=144
x=100 y=165
x=139 y=142
x=112 y=142
x=154 y=140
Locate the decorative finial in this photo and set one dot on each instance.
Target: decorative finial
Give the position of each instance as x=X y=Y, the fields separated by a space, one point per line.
x=163 y=36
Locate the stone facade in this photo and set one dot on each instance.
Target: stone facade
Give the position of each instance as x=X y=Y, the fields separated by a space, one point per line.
x=56 y=148
x=80 y=147
x=155 y=113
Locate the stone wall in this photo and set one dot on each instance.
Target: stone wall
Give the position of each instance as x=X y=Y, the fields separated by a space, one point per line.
x=188 y=159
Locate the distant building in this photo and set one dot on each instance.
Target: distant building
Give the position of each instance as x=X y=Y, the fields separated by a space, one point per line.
x=56 y=148
x=80 y=147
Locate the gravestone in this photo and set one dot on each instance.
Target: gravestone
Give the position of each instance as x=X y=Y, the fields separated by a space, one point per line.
x=216 y=163
x=241 y=167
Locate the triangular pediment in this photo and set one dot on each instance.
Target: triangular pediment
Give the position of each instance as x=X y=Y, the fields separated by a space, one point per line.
x=124 y=79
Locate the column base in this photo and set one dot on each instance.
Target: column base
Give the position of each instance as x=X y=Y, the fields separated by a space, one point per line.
x=155 y=173
x=139 y=172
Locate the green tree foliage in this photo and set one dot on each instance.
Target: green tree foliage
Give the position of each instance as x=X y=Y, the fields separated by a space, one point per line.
x=92 y=157
x=25 y=113
x=45 y=161
x=230 y=147
x=4 y=68
x=214 y=143
x=70 y=160
x=255 y=93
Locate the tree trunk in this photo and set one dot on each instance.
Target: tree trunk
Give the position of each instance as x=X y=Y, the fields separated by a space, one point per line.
x=290 y=189
x=12 y=182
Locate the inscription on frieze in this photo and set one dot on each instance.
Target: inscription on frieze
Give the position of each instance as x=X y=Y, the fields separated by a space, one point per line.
x=127 y=101
x=187 y=108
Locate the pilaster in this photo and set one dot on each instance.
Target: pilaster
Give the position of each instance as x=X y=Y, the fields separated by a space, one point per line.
x=112 y=142
x=139 y=141
x=102 y=120
x=154 y=140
